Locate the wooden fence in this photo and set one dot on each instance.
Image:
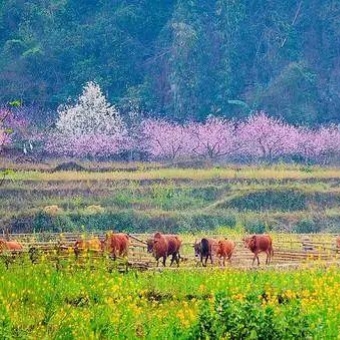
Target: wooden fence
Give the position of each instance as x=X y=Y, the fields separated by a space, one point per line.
x=298 y=249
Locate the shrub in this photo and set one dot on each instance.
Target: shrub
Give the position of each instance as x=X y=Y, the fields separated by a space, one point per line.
x=306 y=226
x=52 y=210
x=250 y=319
x=255 y=227
x=40 y=221
x=94 y=209
x=268 y=199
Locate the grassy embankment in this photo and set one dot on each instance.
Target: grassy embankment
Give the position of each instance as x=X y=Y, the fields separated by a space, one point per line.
x=281 y=198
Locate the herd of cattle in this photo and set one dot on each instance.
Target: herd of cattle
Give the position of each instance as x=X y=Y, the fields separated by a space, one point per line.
x=163 y=245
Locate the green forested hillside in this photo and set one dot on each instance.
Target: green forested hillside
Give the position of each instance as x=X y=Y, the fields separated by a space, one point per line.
x=180 y=59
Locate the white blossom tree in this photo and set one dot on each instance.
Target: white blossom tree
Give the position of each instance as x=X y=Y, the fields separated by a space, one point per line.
x=91 y=127
x=92 y=114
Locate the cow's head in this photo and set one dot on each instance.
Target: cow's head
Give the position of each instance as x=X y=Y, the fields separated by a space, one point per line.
x=197 y=248
x=149 y=245
x=78 y=244
x=249 y=241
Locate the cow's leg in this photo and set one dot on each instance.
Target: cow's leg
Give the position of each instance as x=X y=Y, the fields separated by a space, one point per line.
x=113 y=255
x=173 y=258
x=211 y=259
x=220 y=260
x=164 y=259
x=205 y=261
x=254 y=257
x=177 y=259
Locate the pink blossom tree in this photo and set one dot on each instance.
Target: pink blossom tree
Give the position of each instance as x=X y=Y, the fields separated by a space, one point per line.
x=134 y=142
x=321 y=145
x=263 y=137
x=213 y=139
x=260 y=137
x=166 y=140
x=82 y=146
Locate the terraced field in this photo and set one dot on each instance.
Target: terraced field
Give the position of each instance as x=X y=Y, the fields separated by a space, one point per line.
x=146 y=199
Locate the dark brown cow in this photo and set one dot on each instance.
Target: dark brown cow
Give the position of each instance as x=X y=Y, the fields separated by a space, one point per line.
x=163 y=246
x=225 y=249
x=117 y=245
x=258 y=244
x=205 y=249
x=9 y=245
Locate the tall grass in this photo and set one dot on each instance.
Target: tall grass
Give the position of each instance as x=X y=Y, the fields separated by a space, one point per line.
x=245 y=172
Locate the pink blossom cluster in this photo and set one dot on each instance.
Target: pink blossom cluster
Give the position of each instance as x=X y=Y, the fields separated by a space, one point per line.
x=82 y=146
x=259 y=137
x=17 y=131
x=5 y=130
x=4 y=138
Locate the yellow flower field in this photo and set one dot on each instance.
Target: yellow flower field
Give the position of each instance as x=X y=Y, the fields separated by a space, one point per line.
x=90 y=301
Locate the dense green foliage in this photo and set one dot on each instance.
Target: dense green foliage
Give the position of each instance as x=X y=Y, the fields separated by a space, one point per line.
x=180 y=59
x=254 y=199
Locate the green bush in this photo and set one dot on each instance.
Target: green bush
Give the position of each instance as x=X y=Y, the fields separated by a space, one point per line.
x=128 y=220
x=209 y=193
x=255 y=227
x=306 y=226
x=40 y=221
x=280 y=199
x=250 y=319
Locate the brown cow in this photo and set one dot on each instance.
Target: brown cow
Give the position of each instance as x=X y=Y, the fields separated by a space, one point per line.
x=93 y=245
x=164 y=245
x=225 y=249
x=258 y=244
x=205 y=249
x=9 y=245
x=117 y=245
x=337 y=242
